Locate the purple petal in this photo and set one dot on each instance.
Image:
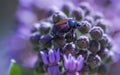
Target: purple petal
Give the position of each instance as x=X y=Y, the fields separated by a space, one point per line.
x=51 y=56
x=72 y=65
x=66 y=61
x=79 y=63
x=57 y=55
x=44 y=57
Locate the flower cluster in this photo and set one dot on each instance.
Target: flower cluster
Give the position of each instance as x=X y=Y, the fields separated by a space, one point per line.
x=72 y=40
x=51 y=60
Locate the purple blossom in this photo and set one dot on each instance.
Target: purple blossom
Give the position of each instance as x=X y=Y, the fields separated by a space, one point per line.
x=73 y=65
x=51 y=59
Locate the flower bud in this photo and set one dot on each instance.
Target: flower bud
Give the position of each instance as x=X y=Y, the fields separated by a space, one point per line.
x=103 y=53
x=44 y=27
x=109 y=44
x=34 y=29
x=96 y=33
x=94 y=46
x=104 y=41
x=86 y=7
x=103 y=24
x=52 y=10
x=78 y=14
x=84 y=53
x=35 y=37
x=84 y=27
x=97 y=15
x=58 y=42
x=83 y=42
x=70 y=37
x=58 y=16
x=89 y=19
x=93 y=61
x=67 y=8
x=45 y=41
x=69 y=48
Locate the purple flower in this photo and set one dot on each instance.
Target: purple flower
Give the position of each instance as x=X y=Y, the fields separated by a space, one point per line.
x=73 y=65
x=51 y=59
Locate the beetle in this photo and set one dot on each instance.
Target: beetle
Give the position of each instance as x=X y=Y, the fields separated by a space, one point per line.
x=71 y=22
x=64 y=26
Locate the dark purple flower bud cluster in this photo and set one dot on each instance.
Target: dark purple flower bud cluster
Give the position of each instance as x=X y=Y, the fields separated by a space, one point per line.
x=72 y=41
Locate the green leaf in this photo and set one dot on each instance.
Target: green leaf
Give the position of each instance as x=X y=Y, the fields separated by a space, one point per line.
x=14 y=69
